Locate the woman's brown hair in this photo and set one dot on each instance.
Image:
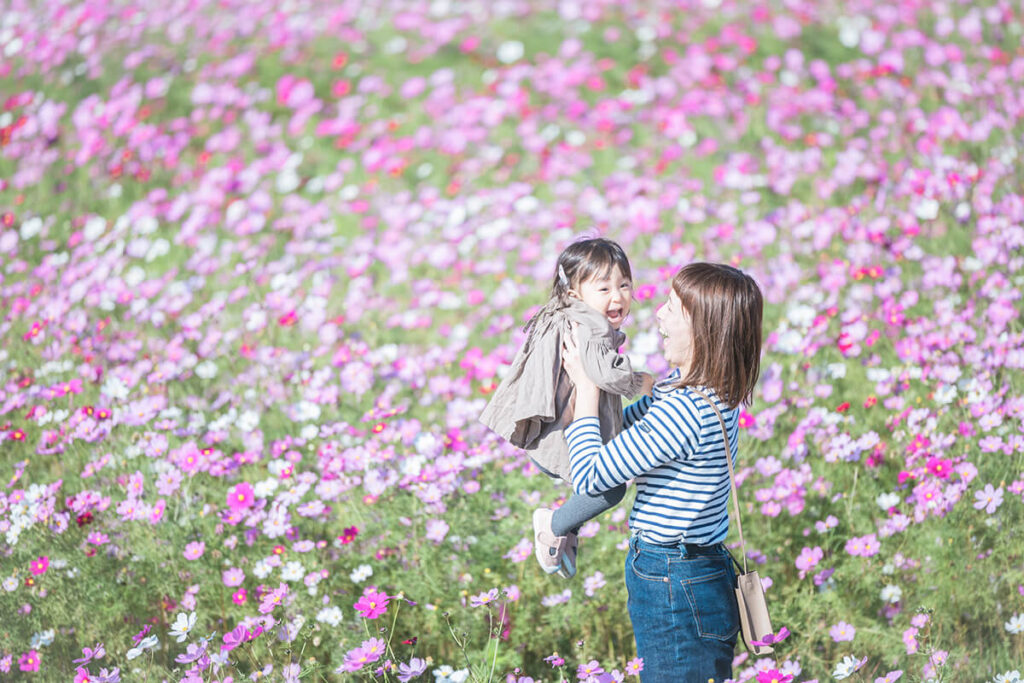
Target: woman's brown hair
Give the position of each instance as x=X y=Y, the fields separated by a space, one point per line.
x=725 y=307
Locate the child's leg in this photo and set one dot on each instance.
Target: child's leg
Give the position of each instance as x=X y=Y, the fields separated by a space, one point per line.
x=581 y=508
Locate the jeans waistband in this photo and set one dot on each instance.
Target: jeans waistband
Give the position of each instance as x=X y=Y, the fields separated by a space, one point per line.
x=638 y=542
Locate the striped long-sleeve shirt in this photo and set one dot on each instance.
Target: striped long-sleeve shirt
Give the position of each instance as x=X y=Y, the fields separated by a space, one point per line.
x=673 y=447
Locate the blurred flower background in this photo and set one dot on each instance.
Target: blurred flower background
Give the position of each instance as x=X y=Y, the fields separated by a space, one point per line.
x=262 y=263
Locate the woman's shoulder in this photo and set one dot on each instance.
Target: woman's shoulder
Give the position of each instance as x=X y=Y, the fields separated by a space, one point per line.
x=690 y=397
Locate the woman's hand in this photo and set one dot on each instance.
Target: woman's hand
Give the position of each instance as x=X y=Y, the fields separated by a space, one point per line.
x=648 y=384
x=587 y=393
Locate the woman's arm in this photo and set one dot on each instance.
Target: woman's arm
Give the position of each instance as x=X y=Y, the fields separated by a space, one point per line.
x=634 y=411
x=668 y=430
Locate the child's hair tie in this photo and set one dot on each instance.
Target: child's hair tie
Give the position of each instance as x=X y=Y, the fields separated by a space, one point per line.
x=562 y=276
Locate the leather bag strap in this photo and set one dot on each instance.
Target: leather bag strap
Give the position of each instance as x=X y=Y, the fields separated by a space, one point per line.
x=732 y=474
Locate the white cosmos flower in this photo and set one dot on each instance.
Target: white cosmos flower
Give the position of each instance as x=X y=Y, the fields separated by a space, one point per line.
x=31 y=227
x=510 y=51
x=114 y=388
x=182 y=626
x=361 y=573
x=927 y=209
x=292 y=571
x=1016 y=624
x=888 y=500
x=329 y=615
x=206 y=370
x=891 y=594
x=846 y=667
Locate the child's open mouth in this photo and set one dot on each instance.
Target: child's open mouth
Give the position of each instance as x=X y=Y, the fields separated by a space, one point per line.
x=614 y=315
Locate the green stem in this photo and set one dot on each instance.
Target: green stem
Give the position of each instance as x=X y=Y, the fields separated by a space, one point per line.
x=497 y=642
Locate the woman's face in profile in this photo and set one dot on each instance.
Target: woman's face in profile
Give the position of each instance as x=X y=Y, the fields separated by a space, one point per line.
x=675 y=326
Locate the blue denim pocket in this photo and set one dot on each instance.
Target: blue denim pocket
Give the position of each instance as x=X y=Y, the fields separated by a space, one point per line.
x=650 y=566
x=713 y=603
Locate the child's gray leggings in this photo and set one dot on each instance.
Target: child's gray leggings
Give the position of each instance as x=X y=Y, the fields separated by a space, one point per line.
x=581 y=508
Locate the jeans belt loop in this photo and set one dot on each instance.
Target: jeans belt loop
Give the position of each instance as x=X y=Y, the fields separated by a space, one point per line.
x=634 y=541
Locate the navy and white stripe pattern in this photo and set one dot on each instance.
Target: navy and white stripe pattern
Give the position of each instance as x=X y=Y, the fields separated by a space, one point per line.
x=674 y=449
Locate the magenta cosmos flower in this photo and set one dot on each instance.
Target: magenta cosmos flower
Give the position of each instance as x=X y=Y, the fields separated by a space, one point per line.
x=372 y=604
x=240 y=497
x=39 y=565
x=29 y=661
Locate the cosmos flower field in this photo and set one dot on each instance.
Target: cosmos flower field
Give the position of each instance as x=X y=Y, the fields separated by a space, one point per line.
x=261 y=264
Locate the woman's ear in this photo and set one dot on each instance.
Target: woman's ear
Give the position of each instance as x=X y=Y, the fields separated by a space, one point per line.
x=573 y=293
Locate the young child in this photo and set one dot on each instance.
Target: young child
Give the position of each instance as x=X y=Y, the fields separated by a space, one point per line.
x=592 y=289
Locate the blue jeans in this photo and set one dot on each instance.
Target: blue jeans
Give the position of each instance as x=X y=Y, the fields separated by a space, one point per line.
x=682 y=603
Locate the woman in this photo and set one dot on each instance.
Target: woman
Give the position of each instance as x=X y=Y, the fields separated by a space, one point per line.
x=679 y=576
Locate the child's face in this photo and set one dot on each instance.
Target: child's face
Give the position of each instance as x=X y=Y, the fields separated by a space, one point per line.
x=676 y=327
x=611 y=295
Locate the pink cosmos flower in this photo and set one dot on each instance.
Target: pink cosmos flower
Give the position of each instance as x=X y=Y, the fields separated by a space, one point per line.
x=863 y=546
x=194 y=550
x=240 y=596
x=910 y=640
x=355 y=660
x=371 y=604
x=273 y=599
x=233 y=577
x=485 y=598
x=233 y=638
x=842 y=632
x=437 y=529
x=39 y=566
x=808 y=559
x=29 y=661
x=989 y=499
x=591 y=668
x=890 y=677
x=593 y=583
x=773 y=676
x=773 y=638
x=555 y=661
x=634 y=666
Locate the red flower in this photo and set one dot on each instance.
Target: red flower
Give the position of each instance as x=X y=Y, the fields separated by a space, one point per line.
x=349 y=535
x=18 y=435
x=843 y=407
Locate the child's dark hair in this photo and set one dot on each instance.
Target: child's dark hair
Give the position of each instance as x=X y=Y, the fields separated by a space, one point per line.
x=725 y=308
x=583 y=260
x=578 y=263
